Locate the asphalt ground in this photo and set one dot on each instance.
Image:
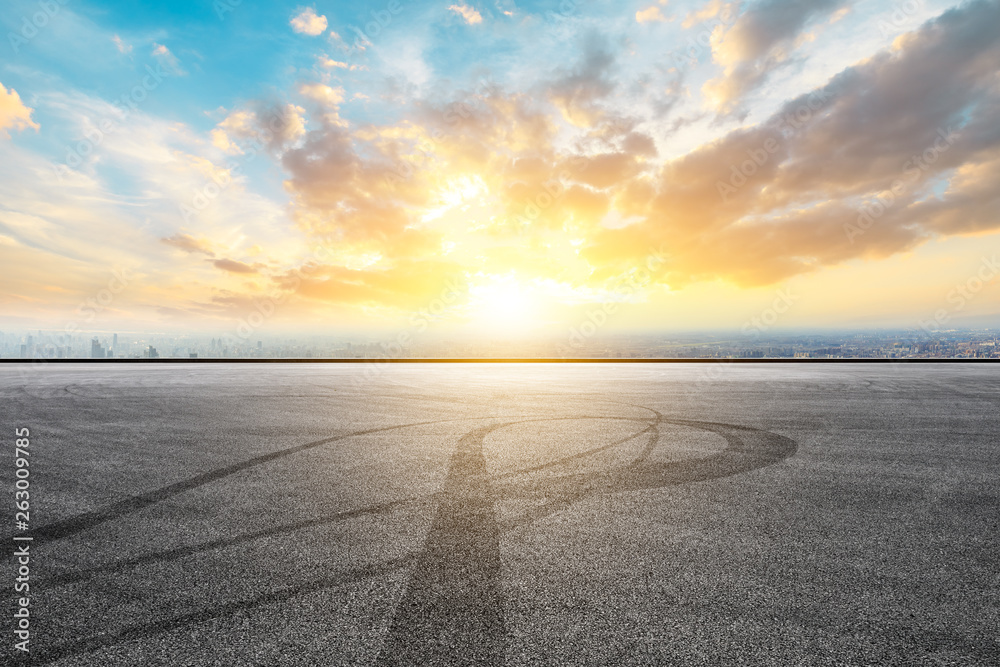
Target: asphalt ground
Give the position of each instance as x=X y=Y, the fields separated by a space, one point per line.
x=514 y=514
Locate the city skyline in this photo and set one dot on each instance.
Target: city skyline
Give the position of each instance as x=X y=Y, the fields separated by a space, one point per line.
x=581 y=343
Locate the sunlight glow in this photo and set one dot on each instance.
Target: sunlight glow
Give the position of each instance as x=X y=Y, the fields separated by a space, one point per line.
x=456 y=194
x=504 y=305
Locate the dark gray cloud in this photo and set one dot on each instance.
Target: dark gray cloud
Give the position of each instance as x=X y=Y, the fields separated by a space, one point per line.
x=188 y=243
x=758 y=42
x=233 y=266
x=579 y=91
x=894 y=151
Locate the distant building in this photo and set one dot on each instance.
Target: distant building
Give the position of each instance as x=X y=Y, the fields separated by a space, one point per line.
x=96 y=350
x=151 y=353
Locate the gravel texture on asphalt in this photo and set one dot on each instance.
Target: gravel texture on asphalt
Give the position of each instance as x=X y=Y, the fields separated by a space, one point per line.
x=510 y=514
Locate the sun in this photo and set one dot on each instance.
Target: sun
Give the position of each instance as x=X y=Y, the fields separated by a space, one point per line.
x=503 y=304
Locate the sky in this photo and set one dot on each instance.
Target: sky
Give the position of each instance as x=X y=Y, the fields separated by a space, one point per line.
x=502 y=167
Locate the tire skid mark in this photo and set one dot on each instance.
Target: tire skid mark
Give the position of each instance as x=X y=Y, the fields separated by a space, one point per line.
x=453 y=607
x=452 y=611
x=177 y=553
x=182 y=552
x=145 y=630
x=579 y=455
x=640 y=475
x=76 y=524
x=80 y=522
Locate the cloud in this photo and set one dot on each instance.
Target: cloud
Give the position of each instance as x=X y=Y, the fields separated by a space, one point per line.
x=122 y=46
x=470 y=14
x=306 y=22
x=651 y=14
x=189 y=244
x=275 y=125
x=572 y=177
x=402 y=285
x=330 y=97
x=890 y=153
x=330 y=63
x=77 y=226
x=233 y=266
x=757 y=43
x=168 y=60
x=578 y=92
x=714 y=10
x=13 y=113
x=395 y=192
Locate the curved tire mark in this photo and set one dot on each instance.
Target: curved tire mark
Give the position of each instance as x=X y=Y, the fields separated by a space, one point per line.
x=456 y=516
x=75 y=524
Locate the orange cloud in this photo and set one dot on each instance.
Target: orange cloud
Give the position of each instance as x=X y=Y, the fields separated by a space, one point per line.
x=406 y=285
x=188 y=243
x=489 y=183
x=233 y=266
x=13 y=113
x=470 y=14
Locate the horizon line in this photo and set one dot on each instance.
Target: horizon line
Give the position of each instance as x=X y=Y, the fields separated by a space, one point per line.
x=511 y=360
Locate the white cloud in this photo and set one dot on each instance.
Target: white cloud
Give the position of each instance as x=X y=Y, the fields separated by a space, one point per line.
x=468 y=13
x=168 y=60
x=323 y=94
x=306 y=22
x=330 y=63
x=122 y=46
